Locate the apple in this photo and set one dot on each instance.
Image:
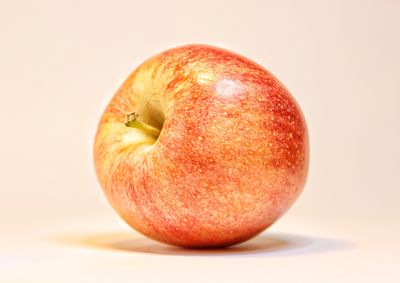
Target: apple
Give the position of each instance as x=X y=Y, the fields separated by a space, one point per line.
x=201 y=147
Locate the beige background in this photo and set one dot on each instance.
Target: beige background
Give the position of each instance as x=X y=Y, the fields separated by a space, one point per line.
x=61 y=61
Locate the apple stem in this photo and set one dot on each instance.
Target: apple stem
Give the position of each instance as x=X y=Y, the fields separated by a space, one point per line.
x=132 y=122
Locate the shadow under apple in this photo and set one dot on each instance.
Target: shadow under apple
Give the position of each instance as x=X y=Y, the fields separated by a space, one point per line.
x=266 y=244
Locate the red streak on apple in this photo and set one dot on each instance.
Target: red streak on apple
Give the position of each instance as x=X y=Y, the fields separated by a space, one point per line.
x=230 y=158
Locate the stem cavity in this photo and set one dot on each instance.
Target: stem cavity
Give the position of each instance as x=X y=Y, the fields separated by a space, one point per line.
x=132 y=121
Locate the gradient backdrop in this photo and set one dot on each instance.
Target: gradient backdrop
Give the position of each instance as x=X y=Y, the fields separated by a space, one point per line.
x=60 y=63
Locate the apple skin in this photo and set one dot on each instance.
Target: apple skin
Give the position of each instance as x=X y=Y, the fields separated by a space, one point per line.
x=231 y=157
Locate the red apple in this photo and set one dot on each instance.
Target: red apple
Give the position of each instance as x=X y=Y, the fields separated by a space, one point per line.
x=201 y=147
